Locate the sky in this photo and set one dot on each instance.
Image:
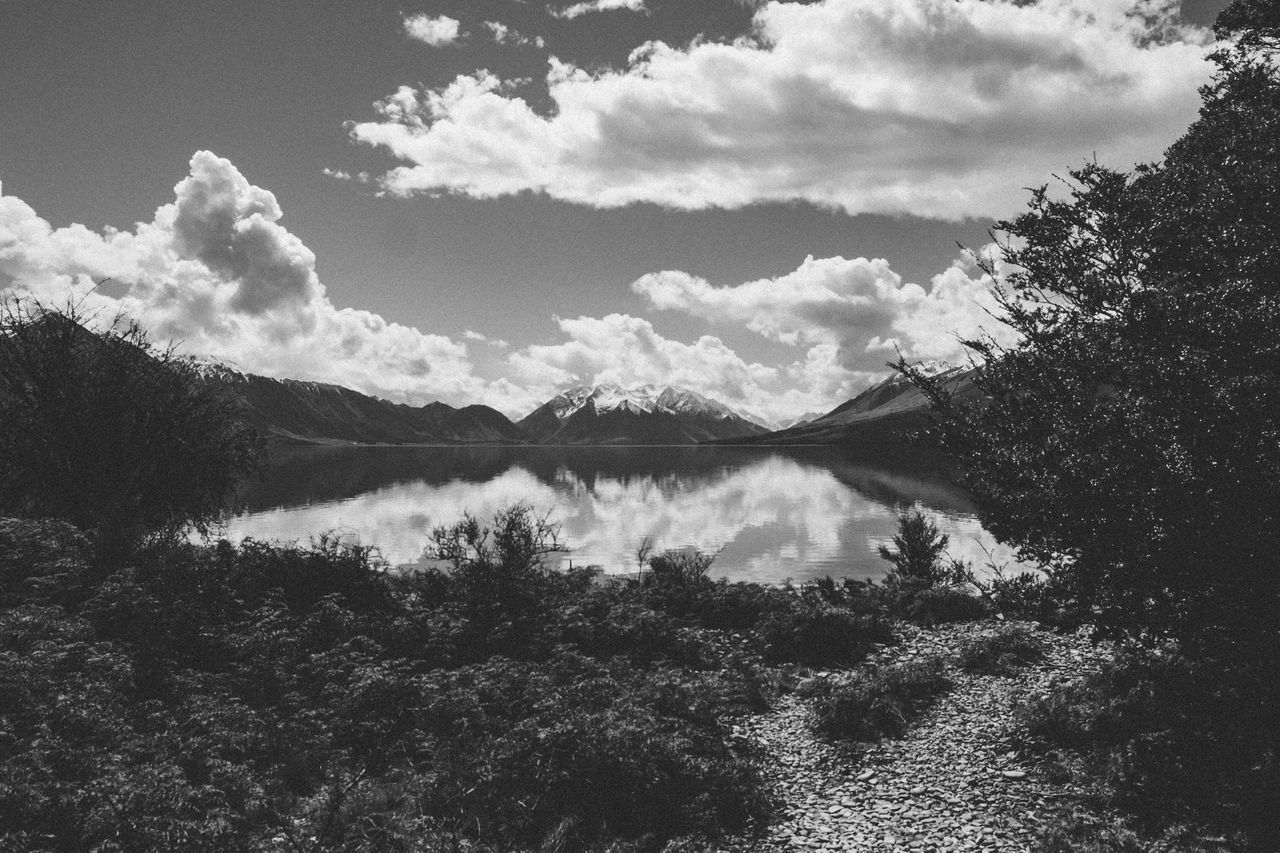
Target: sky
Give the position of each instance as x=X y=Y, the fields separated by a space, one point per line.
x=492 y=200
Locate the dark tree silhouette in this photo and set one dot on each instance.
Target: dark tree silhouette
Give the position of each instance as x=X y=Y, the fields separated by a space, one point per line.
x=103 y=429
x=1130 y=441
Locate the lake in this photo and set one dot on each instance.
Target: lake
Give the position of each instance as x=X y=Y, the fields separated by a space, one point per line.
x=772 y=513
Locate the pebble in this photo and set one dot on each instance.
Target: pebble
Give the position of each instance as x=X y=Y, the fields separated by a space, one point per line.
x=942 y=787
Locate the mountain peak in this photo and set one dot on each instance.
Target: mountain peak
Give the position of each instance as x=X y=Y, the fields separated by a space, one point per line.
x=611 y=412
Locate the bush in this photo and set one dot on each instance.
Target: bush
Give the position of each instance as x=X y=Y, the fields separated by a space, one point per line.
x=819 y=635
x=103 y=430
x=916 y=557
x=869 y=706
x=44 y=561
x=1031 y=597
x=999 y=653
x=818 y=624
x=920 y=585
x=930 y=607
x=1079 y=832
x=1145 y=310
x=679 y=568
x=1173 y=740
x=263 y=696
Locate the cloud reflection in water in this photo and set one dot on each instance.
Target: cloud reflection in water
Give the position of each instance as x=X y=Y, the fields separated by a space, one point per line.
x=773 y=515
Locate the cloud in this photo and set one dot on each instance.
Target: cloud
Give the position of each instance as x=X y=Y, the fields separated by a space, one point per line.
x=577 y=10
x=433 y=31
x=935 y=108
x=860 y=310
x=627 y=350
x=216 y=271
x=502 y=34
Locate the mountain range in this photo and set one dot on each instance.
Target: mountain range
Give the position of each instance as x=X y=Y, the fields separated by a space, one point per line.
x=881 y=422
x=609 y=414
x=314 y=412
x=877 y=422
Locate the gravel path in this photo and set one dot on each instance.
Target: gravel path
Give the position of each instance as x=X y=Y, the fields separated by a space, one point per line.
x=955 y=782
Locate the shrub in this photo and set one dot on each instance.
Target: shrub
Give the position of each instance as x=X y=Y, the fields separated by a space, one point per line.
x=1080 y=832
x=999 y=653
x=267 y=697
x=1173 y=740
x=941 y=604
x=819 y=634
x=679 y=568
x=882 y=703
x=1144 y=309
x=817 y=625
x=102 y=429
x=920 y=585
x=916 y=557
x=42 y=561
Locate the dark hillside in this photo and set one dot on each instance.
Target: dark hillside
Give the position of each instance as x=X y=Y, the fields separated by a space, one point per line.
x=315 y=412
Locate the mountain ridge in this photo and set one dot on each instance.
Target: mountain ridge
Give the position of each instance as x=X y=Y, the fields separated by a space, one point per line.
x=607 y=413
x=308 y=412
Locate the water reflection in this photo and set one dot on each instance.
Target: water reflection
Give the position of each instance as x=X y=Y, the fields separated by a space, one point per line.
x=772 y=514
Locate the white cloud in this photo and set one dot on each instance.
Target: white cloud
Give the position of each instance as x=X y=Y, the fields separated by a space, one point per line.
x=929 y=107
x=577 y=10
x=437 y=31
x=503 y=34
x=627 y=350
x=216 y=271
x=857 y=310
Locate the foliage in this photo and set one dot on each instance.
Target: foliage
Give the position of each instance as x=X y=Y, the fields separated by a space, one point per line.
x=261 y=697
x=936 y=605
x=1130 y=441
x=999 y=653
x=916 y=558
x=1082 y=832
x=106 y=431
x=805 y=626
x=679 y=568
x=921 y=585
x=881 y=703
x=1034 y=597
x=819 y=634
x=1172 y=740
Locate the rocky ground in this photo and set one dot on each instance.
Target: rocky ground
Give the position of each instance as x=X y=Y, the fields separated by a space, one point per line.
x=955 y=782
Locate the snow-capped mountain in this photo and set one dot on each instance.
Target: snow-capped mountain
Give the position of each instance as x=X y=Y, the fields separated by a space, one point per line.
x=644 y=414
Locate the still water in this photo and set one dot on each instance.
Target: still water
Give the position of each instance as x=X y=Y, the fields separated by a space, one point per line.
x=772 y=514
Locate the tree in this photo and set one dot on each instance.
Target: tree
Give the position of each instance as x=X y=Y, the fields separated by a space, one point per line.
x=1130 y=441
x=122 y=439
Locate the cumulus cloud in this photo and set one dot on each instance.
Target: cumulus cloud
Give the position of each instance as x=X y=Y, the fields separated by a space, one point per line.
x=855 y=312
x=216 y=271
x=934 y=108
x=577 y=10
x=436 y=31
x=627 y=350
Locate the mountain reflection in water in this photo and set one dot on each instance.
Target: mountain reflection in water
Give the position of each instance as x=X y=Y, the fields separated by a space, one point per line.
x=773 y=514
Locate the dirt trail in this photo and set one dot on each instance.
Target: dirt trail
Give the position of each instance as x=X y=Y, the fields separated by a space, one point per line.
x=955 y=782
